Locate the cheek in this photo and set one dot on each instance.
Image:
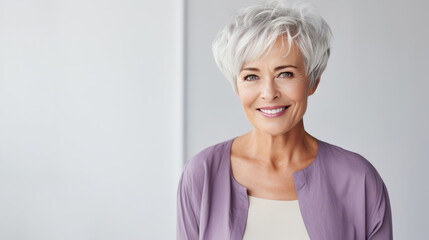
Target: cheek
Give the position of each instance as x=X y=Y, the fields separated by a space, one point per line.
x=295 y=92
x=246 y=101
x=247 y=95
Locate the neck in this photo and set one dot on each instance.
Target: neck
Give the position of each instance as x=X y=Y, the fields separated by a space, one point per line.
x=285 y=150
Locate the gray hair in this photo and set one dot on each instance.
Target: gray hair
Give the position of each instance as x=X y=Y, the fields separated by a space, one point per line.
x=254 y=30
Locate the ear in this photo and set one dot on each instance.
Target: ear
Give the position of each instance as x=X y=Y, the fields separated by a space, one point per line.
x=314 y=88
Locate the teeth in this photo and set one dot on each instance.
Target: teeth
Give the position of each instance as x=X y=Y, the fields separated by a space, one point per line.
x=273 y=111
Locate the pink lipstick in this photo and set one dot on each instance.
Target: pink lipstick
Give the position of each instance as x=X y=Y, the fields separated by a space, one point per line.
x=273 y=111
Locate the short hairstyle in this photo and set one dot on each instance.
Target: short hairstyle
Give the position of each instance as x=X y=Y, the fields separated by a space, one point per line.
x=254 y=30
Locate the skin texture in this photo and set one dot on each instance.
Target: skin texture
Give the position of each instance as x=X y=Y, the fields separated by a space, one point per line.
x=264 y=159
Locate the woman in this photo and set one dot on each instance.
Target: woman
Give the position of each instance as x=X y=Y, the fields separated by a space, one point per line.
x=277 y=181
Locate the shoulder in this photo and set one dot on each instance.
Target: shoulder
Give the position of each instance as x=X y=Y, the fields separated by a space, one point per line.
x=353 y=179
x=207 y=163
x=200 y=171
x=212 y=155
x=350 y=172
x=348 y=167
x=345 y=161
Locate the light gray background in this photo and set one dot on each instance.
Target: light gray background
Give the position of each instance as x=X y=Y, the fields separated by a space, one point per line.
x=91 y=109
x=372 y=98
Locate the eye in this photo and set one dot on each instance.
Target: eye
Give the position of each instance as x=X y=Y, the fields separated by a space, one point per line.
x=286 y=75
x=250 y=77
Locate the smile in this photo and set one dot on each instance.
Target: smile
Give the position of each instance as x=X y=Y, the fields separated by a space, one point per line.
x=272 y=113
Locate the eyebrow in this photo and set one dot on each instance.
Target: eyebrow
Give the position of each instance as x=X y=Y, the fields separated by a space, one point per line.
x=275 y=69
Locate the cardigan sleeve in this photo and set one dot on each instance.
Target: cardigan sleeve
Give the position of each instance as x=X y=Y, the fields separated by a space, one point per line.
x=378 y=210
x=187 y=221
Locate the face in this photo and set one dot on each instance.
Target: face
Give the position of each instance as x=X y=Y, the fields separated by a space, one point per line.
x=274 y=88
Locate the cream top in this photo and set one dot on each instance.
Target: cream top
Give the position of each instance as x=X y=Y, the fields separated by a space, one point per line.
x=274 y=219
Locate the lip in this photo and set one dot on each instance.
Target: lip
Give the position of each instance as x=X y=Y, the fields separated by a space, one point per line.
x=275 y=114
x=272 y=107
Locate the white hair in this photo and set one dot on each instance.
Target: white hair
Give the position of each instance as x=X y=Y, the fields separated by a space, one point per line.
x=254 y=30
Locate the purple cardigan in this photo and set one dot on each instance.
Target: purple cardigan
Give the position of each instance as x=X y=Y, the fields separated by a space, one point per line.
x=340 y=194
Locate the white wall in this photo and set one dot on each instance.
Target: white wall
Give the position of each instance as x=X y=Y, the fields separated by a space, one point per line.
x=90 y=118
x=372 y=98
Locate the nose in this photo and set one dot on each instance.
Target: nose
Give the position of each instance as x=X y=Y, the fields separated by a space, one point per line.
x=270 y=90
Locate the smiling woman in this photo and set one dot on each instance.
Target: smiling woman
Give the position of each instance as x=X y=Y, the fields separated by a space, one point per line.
x=278 y=181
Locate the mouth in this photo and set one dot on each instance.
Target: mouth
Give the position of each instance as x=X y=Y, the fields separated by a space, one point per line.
x=273 y=111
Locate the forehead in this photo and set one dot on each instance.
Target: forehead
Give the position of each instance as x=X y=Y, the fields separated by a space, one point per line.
x=278 y=53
